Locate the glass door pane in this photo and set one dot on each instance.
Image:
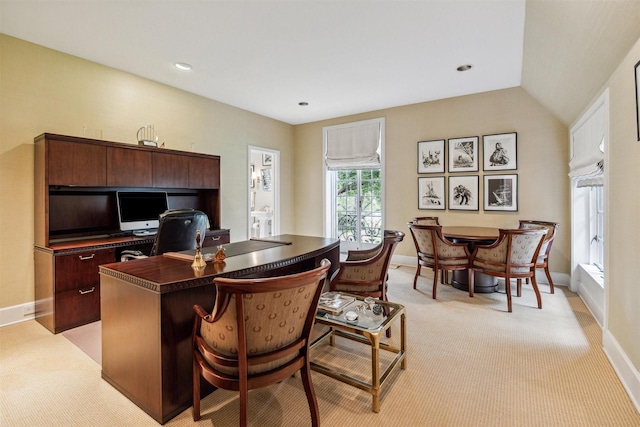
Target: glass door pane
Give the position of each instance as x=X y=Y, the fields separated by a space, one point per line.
x=358 y=208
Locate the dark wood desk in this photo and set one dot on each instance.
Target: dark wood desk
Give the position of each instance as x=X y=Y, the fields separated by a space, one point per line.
x=147 y=314
x=472 y=236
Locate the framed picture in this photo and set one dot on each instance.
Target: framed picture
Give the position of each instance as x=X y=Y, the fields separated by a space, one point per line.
x=499 y=151
x=637 y=72
x=431 y=156
x=431 y=193
x=501 y=193
x=464 y=193
x=463 y=154
x=266 y=179
x=267 y=159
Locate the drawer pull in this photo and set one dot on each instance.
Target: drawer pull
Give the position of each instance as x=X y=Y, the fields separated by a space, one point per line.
x=215 y=237
x=86 y=258
x=87 y=292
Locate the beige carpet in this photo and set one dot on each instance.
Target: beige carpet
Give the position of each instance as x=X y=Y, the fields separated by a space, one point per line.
x=470 y=363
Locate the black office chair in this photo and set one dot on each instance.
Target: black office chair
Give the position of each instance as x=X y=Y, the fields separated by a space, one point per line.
x=176 y=232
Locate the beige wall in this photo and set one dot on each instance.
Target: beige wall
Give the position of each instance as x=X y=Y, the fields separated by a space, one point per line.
x=542 y=163
x=623 y=211
x=46 y=91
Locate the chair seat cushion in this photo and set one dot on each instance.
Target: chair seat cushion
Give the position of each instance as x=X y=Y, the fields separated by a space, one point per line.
x=478 y=263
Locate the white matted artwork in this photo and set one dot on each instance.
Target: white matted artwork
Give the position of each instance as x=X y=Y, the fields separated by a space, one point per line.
x=431 y=156
x=501 y=193
x=431 y=193
x=499 y=151
x=463 y=154
x=464 y=193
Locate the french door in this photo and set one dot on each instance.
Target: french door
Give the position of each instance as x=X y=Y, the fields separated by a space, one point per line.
x=357 y=208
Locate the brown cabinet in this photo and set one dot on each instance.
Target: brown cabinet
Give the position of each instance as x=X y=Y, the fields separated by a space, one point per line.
x=77 y=164
x=129 y=168
x=170 y=170
x=76 y=180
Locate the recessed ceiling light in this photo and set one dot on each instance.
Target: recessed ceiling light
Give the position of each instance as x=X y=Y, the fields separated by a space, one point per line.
x=464 y=67
x=183 y=66
x=303 y=104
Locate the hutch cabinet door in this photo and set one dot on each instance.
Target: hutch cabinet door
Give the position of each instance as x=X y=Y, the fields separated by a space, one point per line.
x=204 y=173
x=170 y=170
x=129 y=168
x=77 y=164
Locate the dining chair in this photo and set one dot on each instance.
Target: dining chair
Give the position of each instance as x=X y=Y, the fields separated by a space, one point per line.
x=365 y=272
x=426 y=220
x=438 y=253
x=545 y=249
x=512 y=256
x=257 y=334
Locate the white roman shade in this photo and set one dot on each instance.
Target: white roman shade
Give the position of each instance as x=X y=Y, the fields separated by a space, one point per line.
x=587 y=149
x=354 y=146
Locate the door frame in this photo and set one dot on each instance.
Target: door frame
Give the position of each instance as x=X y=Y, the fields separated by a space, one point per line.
x=275 y=185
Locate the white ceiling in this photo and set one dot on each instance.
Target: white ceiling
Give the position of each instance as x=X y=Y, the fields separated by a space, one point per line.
x=342 y=57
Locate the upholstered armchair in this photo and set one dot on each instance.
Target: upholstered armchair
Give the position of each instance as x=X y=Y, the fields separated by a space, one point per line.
x=512 y=256
x=257 y=334
x=365 y=272
x=545 y=249
x=436 y=252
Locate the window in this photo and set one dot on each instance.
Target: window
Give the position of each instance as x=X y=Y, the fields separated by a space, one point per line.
x=353 y=176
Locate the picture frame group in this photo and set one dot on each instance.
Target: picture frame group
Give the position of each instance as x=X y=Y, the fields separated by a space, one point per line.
x=499 y=192
x=499 y=152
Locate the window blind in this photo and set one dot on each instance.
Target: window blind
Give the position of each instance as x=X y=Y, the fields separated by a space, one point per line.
x=587 y=149
x=354 y=146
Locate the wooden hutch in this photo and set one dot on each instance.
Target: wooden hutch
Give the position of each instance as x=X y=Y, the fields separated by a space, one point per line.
x=76 y=225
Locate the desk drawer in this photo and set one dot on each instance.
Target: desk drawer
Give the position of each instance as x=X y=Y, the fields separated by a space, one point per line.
x=216 y=238
x=77 y=307
x=80 y=270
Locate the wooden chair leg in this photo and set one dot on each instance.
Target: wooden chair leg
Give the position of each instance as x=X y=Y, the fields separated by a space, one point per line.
x=546 y=271
x=244 y=397
x=196 y=391
x=470 y=282
x=519 y=288
x=435 y=283
x=415 y=279
x=534 y=283
x=507 y=285
x=311 y=396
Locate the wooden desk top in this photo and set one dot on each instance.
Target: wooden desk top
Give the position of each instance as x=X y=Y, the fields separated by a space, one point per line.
x=470 y=232
x=166 y=273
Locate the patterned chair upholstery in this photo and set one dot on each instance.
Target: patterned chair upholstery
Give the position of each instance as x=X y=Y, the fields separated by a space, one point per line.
x=426 y=220
x=367 y=276
x=436 y=252
x=545 y=249
x=512 y=256
x=257 y=334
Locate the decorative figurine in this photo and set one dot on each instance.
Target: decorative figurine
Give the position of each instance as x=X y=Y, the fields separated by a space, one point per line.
x=198 y=260
x=220 y=254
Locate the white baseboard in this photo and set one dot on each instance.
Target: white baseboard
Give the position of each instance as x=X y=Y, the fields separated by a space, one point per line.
x=17 y=313
x=628 y=374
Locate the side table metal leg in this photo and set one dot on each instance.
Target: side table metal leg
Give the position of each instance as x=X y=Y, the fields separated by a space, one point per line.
x=403 y=340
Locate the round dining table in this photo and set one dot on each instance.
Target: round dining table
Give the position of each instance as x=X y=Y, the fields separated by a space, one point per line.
x=472 y=236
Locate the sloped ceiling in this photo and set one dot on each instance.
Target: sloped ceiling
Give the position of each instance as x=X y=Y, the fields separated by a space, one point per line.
x=572 y=47
x=344 y=57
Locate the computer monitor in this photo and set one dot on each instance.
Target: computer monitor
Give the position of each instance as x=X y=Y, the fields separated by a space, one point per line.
x=139 y=210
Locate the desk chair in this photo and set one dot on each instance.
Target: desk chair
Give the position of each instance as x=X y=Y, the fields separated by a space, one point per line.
x=176 y=232
x=257 y=334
